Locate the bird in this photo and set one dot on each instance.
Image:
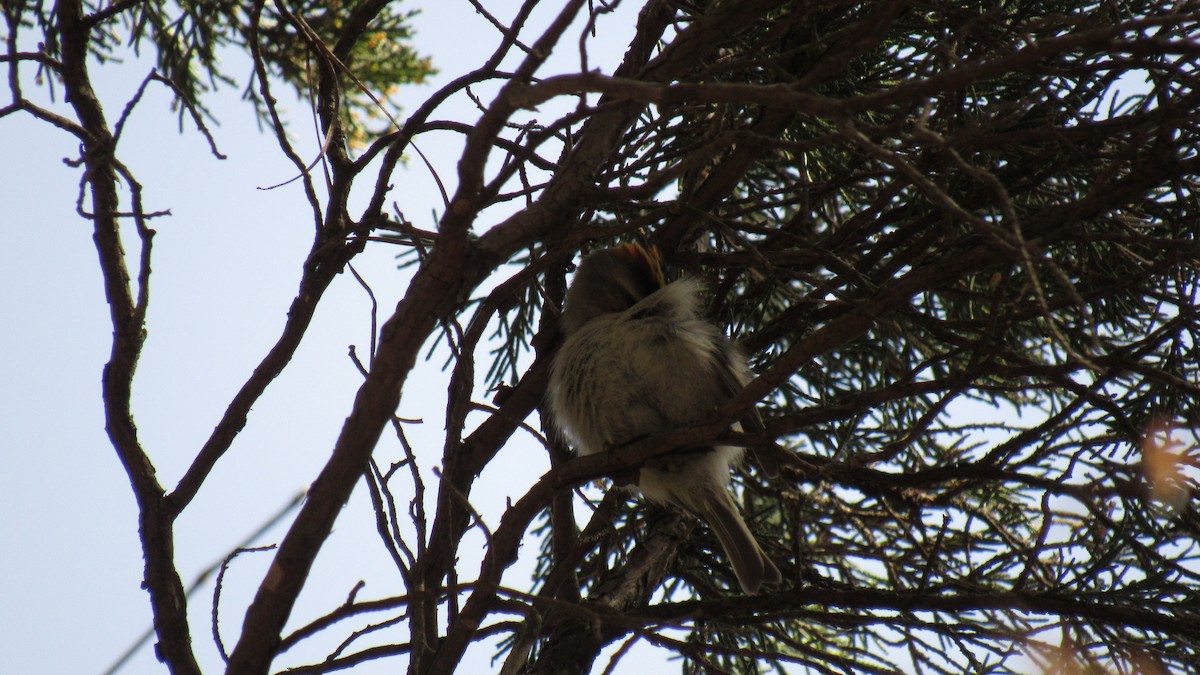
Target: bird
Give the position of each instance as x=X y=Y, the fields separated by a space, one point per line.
x=638 y=358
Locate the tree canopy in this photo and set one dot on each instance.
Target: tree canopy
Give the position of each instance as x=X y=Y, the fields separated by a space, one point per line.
x=959 y=241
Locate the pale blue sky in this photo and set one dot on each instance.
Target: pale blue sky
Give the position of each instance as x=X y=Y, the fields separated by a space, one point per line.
x=226 y=264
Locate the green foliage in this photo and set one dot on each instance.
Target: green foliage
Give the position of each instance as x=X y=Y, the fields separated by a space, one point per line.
x=993 y=412
x=188 y=40
x=958 y=240
x=381 y=58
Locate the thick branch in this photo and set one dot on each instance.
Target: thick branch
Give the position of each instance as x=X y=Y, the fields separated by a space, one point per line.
x=128 y=316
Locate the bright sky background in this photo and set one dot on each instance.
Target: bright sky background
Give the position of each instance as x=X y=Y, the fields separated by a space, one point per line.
x=226 y=265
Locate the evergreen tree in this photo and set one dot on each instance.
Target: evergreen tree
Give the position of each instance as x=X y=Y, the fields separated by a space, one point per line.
x=959 y=241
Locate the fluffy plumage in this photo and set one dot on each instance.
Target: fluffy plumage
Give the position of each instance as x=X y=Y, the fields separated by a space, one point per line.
x=639 y=359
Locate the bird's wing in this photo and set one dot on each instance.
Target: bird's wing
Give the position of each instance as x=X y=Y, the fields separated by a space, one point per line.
x=733 y=378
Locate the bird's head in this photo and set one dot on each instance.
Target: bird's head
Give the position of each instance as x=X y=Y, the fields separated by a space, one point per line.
x=612 y=280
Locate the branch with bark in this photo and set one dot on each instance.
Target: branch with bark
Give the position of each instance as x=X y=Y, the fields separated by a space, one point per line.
x=964 y=261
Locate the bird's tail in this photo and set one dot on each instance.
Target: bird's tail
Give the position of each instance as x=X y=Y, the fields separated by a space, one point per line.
x=750 y=563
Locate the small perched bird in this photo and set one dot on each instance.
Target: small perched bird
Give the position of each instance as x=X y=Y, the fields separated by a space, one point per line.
x=638 y=359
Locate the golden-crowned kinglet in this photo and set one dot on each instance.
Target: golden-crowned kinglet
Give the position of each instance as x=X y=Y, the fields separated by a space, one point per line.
x=638 y=359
